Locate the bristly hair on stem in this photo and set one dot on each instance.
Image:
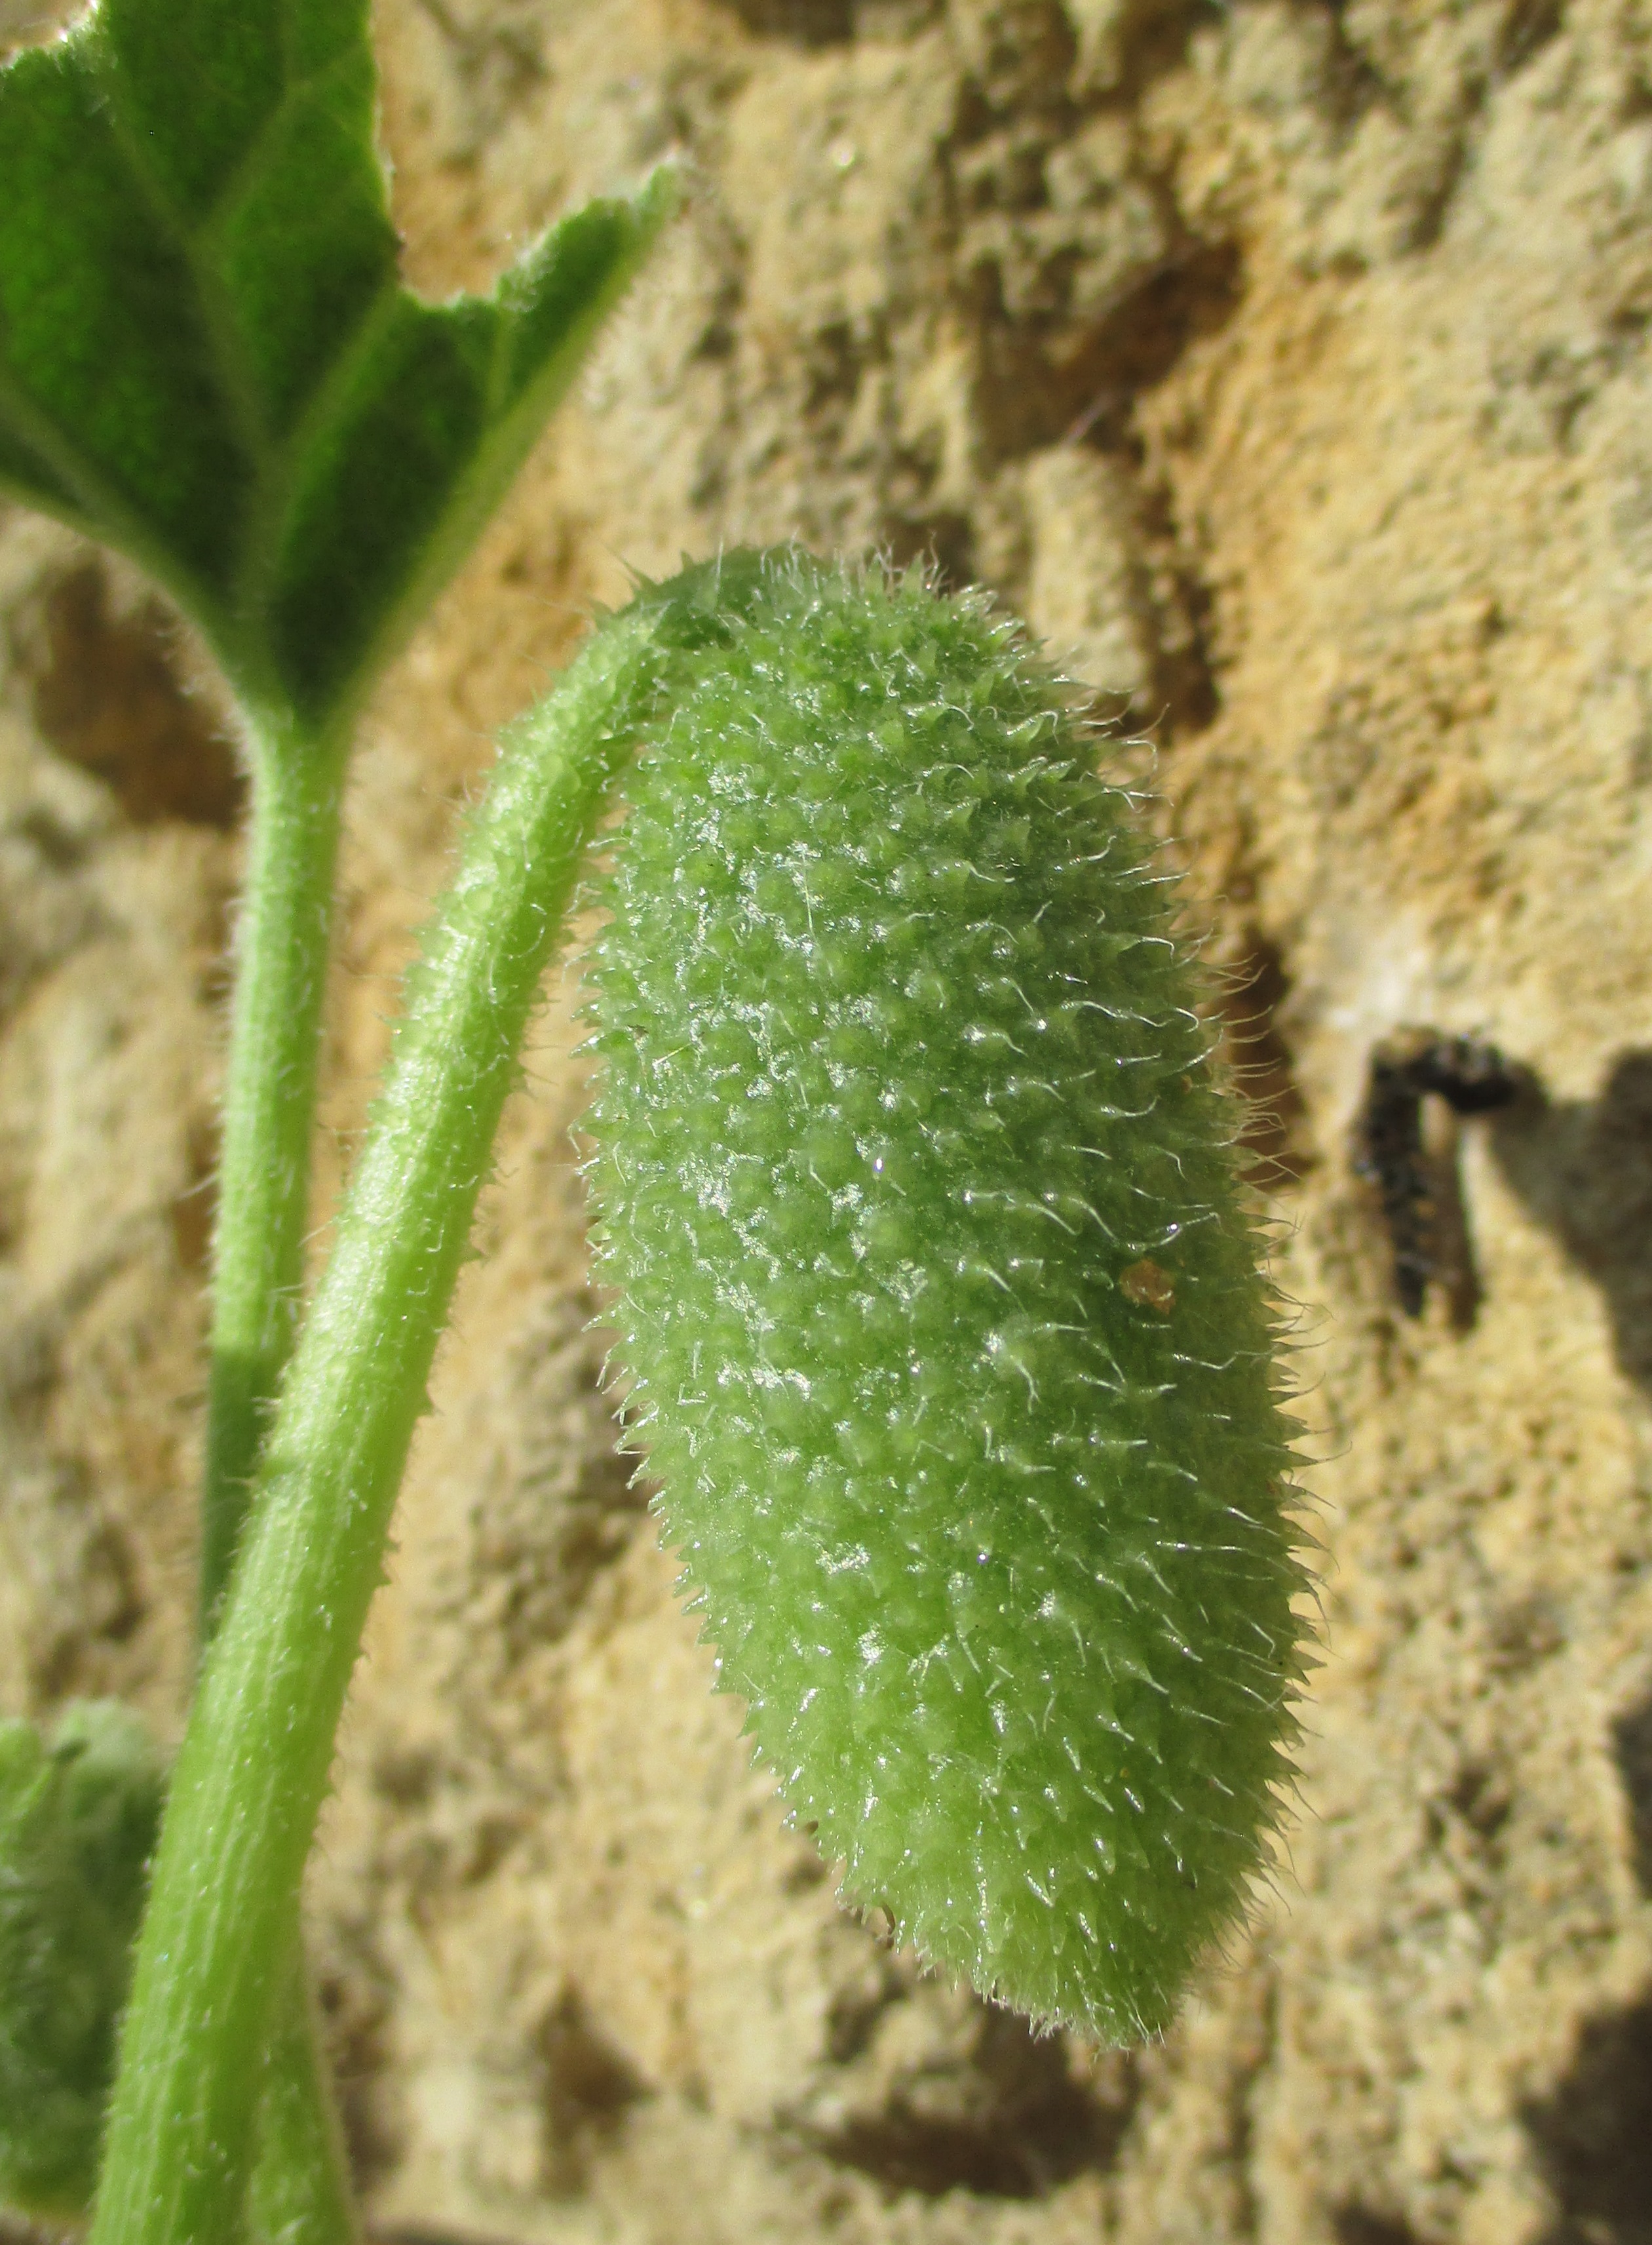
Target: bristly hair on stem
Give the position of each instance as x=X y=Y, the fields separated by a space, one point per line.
x=208 y=361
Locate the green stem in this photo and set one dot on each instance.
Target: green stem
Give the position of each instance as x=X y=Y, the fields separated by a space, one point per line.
x=263 y=1199
x=301 y=2186
x=299 y=2189
x=253 y=1770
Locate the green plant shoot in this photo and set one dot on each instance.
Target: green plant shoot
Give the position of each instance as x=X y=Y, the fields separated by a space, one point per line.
x=941 y=1304
x=208 y=361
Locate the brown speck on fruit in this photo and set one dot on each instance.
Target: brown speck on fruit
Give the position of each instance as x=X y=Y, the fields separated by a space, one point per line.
x=1148 y=1287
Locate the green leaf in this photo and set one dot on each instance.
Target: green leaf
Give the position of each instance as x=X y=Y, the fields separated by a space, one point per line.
x=207 y=358
x=78 y=1820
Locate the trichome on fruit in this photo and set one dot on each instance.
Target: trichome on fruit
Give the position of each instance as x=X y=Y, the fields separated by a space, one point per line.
x=940 y=1301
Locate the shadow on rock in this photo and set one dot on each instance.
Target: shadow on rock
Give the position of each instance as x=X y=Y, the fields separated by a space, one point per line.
x=1584 y=1169
x=1593 y=2135
x=1006 y=2113
x=1632 y=1749
x=1356 y=2225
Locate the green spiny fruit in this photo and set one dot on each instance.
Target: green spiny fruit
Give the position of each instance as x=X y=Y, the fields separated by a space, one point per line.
x=940 y=1299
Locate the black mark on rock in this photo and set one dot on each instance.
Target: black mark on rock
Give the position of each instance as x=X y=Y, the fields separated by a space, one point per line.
x=1273 y=1142
x=1632 y=1744
x=1415 y=1172
x=1037 y=385
x=1007 y=2116
x=590 y=2085
x=1358 y=2225
x=803 y=23
x=106 y=696
x=1527 y=30
x=945 y=541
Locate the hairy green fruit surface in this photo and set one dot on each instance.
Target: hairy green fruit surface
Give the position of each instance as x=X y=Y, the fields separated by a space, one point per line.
x=939 y=1300
x=78 y=1822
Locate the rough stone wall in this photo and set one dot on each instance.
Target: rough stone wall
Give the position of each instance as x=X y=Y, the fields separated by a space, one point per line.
x=1285 y=362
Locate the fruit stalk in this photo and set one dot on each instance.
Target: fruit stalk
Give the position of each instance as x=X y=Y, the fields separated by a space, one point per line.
x=253 y=1768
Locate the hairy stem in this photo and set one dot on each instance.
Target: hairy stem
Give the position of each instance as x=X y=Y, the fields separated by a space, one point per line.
x=301 y=2184
x=299 y=2190
x=253 y=1770
x=263 y=1194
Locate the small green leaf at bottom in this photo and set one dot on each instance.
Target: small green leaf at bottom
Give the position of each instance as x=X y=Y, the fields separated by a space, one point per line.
x=78 y=1818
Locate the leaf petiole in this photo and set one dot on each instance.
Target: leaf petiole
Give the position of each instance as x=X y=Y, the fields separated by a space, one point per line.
x=282 y=946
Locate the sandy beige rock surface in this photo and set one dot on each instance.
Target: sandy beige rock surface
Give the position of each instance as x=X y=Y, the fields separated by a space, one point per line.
x=1287 y=364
